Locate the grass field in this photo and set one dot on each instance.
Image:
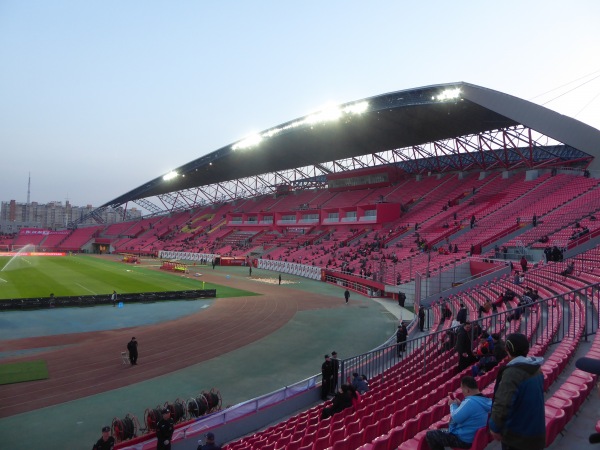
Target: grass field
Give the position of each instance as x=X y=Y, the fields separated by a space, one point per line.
x=23 y=371
x=38 y=276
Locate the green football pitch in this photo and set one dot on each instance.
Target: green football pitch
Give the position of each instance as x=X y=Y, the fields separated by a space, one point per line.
x=39 y=276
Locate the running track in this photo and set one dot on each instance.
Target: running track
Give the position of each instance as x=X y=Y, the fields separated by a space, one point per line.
x=90 y=363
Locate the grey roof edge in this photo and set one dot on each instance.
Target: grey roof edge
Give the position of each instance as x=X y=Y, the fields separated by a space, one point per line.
x=562 y=128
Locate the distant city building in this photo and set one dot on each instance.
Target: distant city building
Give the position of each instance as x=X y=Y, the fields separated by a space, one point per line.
x=55 y=215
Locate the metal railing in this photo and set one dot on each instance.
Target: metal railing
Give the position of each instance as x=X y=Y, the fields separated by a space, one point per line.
x=376 y=362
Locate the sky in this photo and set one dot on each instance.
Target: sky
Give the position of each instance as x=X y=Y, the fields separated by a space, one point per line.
x=98 y=97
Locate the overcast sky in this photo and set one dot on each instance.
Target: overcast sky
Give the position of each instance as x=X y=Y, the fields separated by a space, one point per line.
x=98 y=97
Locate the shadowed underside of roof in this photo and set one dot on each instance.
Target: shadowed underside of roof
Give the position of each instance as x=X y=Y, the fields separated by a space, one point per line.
x=398 y=120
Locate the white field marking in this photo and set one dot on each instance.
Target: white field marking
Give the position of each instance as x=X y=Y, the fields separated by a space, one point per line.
x=3 y=280
x=89 y=290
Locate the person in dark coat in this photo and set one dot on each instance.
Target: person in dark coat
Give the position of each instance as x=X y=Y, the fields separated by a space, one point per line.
x=517 y=417
x=164 y=430
x=446 y=312
x=464 y=347
x=106 y=442
x=461 y=316
x=341 y=401
x=421 y=318
x=210 y=443
x=132 y=348
x=335 y=364
x=401 y=336
x=326 y=375
x=523 y=263
x=499 y=347
x=347 y=295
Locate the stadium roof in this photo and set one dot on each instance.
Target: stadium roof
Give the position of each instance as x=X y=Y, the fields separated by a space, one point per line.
x=390 y=121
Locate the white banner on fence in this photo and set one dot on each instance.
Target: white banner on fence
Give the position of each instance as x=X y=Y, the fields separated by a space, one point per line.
x=302 y=270
x=187 y=256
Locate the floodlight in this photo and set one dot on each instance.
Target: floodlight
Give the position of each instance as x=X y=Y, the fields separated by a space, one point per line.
x=356 y=108
x=448 y=94
x=172 y=174
x=327 y=114
x=250 y=141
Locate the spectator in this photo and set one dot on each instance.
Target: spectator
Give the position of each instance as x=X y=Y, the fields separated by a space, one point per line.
x=569 y=269
x=327 y=375
x=464 y=347
x=446 y=312
x=517 y=417
x=499 y=347
x=210 y=443
x=517 y=279
x=485 y=308
x=516 y=313
x=421 y=318
x=449 y=340
x=467 y=417
x=335 y=364
x=523 y=263
x=341 y=400
x=461 y=316
x=106 y=442
x=401 y=299
x=359 y=383
x=485 y=363
x=401 y=336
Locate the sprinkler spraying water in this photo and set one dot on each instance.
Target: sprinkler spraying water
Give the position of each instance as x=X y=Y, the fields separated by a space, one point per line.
x=13 y=263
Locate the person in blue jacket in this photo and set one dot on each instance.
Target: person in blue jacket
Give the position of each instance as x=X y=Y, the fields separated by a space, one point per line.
x=467 y=417
x=517 y=417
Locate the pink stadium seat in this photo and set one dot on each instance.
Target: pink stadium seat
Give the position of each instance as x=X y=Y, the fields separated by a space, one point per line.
x=321 y=443
x=555 y=421
x=294 y=445
x=337 y=435
x=384 y=424
x=411 y=428
x=369 y=433
x=380 y=443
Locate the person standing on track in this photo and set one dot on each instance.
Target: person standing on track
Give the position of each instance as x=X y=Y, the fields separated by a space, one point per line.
x=132 y=348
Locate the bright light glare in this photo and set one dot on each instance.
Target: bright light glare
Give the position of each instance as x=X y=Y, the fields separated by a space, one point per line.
x=250 y=141
x=172 y=174
x=328 y=114
x=448 y=94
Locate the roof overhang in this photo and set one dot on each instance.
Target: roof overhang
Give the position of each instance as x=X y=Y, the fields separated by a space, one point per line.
x=390 y=121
